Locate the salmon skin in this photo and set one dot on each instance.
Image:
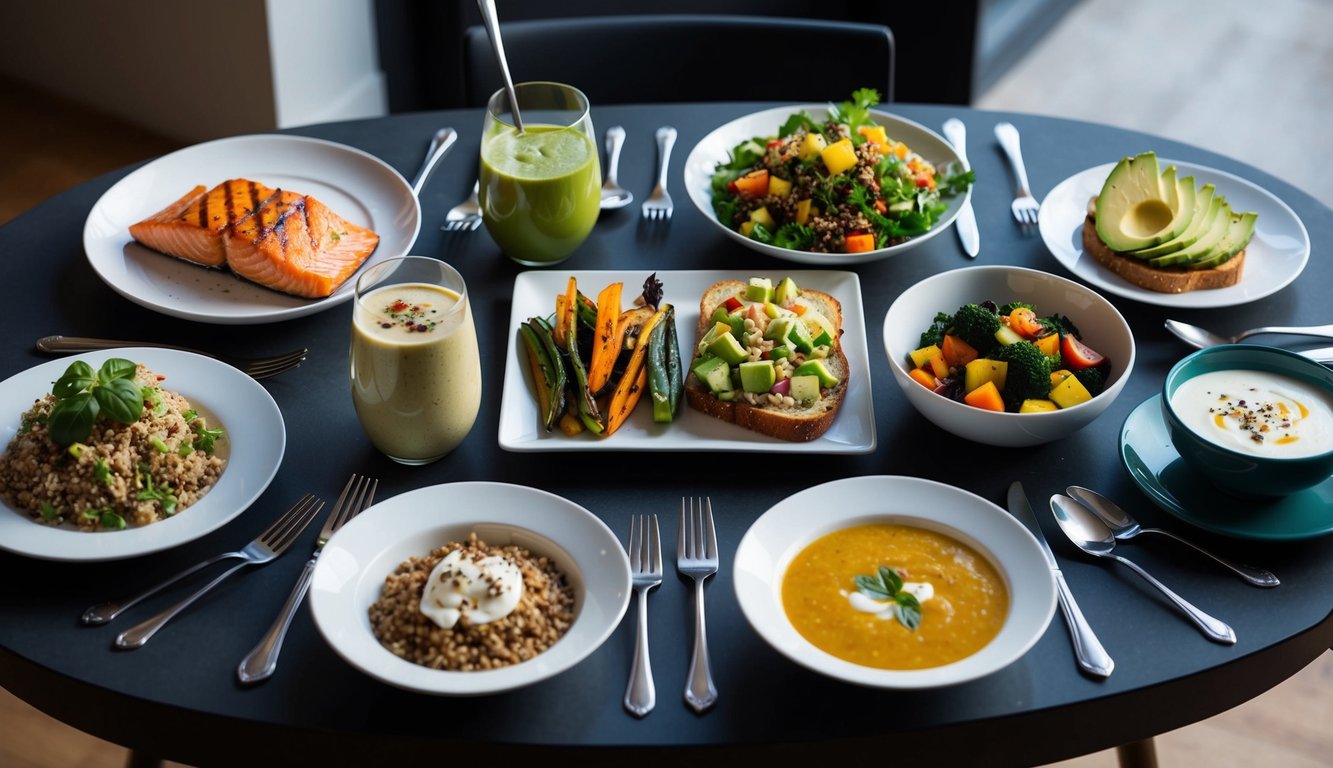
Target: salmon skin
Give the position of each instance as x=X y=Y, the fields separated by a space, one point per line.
x=280 y=239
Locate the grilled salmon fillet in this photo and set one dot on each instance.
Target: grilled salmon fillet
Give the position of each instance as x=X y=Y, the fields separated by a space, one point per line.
x=280 y=239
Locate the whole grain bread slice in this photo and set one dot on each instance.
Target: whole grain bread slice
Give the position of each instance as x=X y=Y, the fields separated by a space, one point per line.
x=1166 y=280
x=795 y=423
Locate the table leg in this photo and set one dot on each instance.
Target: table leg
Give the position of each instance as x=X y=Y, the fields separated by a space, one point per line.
x=1137 y=754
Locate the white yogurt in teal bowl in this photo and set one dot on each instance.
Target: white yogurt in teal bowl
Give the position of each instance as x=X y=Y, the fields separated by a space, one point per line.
x=1256 y=421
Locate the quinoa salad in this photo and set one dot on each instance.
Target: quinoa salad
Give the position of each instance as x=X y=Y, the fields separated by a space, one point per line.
x=843 y=186
x=463 y=582
x=109 y=449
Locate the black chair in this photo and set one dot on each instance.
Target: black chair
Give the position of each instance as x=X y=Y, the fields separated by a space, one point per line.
x=676 y=58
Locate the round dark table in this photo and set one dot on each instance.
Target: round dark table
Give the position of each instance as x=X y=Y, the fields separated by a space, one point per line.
x=178 y=697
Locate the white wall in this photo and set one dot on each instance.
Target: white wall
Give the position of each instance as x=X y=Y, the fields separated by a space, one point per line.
x=194 y=70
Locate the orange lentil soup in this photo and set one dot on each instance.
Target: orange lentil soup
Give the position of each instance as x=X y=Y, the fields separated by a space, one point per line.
x=966 y=611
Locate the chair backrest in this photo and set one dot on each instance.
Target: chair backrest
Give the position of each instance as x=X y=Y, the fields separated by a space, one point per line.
x=676 y=58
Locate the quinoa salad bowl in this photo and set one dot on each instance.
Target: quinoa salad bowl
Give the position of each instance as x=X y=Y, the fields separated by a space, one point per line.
x=207 y=443
x=913 y=142
x=367 y=591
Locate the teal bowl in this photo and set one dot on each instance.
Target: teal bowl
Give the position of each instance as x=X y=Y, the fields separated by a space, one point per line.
x=1236 y=472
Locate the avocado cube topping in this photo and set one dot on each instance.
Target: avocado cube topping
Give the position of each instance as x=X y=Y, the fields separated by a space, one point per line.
x=758 y=376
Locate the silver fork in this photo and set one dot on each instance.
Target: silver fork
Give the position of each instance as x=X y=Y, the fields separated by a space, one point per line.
x=645 y=562
x=260 y=663
x=696 y=557
x=466 y=216
x=266 y=547
x=658 y=206
x=255 y=367
x=1025 y=206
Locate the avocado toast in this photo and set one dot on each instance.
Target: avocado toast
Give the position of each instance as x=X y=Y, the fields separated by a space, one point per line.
x=769 y=359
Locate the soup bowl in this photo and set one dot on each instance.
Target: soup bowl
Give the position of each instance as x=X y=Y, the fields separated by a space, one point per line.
x=775 y=540
x=1259 y=465
x=1103 y=328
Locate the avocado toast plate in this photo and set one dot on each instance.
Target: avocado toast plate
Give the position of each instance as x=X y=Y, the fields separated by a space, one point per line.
x=1275 y=256
x=853 y=431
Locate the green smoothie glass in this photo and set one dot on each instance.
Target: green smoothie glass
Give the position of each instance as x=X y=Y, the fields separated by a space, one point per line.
x=540 y=190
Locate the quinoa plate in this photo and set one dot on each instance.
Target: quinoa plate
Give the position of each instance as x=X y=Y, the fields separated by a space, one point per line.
x=827 y=184
x=110 y=448
x=114 y=455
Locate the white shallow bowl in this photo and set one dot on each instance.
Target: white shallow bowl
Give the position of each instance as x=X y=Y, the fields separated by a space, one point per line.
x=716 y=147
x=1102 y=326
x=783 y=531
x=351 y=570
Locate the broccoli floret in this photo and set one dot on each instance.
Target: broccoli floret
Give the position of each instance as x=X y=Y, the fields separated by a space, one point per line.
x=1029 y=374
x=1011 y=306
x=935 y=333
x=1092 y=379
x=977 y=325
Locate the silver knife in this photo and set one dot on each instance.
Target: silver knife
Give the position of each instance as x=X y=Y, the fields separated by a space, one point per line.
x=956 y=133
x=1092 y=657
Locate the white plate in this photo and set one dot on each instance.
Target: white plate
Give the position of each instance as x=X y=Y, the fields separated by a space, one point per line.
x=853 y=429
x=351 y=570
x=716 y=147
x=1273 y=259
x=357 y=186
x=255 y=440
x=783 y=531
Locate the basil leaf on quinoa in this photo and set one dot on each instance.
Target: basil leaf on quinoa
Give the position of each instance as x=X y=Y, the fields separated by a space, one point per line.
x=121 y=399
x=72 y=419
x=82 y=395
x=77 y=377
x=116 y=368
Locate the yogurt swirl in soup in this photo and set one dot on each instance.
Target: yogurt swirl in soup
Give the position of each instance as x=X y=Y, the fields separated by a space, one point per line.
x=1257 y=412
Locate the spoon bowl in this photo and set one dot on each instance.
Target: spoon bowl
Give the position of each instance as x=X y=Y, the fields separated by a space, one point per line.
x=1124 y=527
x=1090 y=534
x=1201 y=338
x=613 y=195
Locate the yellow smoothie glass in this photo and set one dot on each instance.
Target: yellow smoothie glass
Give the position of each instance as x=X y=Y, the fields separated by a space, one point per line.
x=540 y=190
x=415 y=367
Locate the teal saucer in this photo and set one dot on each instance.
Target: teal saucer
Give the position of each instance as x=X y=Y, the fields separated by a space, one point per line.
x=1158 y=471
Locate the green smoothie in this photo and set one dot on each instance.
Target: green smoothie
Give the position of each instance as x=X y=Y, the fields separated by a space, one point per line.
x=540 y=191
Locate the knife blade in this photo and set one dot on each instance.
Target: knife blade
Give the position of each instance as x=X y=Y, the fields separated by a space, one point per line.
x=1088 y=651
x=956 y=132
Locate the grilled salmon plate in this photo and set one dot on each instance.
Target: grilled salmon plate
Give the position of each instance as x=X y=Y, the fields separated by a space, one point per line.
x=280 y=239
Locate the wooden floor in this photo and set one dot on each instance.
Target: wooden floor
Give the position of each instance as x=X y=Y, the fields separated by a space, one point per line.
x=1253 y=83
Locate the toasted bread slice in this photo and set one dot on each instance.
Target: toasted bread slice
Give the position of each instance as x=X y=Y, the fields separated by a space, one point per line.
x=795 y=423
x=1166 y=280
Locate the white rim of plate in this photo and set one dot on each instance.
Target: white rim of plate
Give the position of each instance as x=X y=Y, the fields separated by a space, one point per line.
x=254 y=429
x=771 y=543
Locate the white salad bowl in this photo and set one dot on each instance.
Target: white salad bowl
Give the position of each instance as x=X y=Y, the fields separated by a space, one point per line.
x=716 y=147
x=1102 y=326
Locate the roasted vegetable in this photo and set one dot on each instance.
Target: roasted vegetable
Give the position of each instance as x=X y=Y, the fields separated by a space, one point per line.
x=548 y=369
x=606 y=338
x=635 y=379
x=586 y=406
x=664 y=379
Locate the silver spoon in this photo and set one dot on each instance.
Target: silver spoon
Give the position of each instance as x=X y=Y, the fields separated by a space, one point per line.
x=1200 y=338
x=613 y=195
x=1092 y=536
x=440 y=144
x=492 y=22
x=1125 y=527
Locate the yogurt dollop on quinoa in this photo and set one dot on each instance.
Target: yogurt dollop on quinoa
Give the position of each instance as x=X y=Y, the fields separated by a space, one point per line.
x=1257 y=412
x=484 y=589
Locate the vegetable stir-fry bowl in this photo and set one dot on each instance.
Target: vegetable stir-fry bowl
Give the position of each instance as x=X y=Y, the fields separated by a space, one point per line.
x=1100 y=327
x=897 y=182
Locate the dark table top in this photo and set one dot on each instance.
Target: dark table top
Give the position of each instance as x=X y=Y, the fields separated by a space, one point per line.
x=178 y=697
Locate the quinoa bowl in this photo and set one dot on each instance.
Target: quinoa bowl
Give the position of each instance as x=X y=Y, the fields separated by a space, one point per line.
x=152 y=488
x=717 y=146
x=371 y=574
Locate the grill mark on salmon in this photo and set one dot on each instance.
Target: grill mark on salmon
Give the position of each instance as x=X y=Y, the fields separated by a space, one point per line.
x=256 y=232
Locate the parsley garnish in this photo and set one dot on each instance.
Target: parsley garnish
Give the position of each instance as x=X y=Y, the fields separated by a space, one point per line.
x=886 y=585
x=161 y=495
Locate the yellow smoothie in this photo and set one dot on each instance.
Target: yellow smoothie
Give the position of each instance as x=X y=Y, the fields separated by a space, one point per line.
x=540 y=191
x=416 y=371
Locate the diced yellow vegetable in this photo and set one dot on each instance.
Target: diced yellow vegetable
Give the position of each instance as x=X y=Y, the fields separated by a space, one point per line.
x=938 y=366
x=875 y=133
x=810 y=148
x=762 y=216
x=922 y=356
x=839 y=156
x=1070 y=392
x=1049 y=344
x=982 y=370
x=747 y=227
x=1059 y=376
x=803 y=211
x=778 y=187
x=1037 y=406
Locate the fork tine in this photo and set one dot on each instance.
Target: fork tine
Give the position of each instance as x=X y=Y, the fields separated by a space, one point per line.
x=710 y=533
x=290 y=535
x=635 y=543
x=274 y=365
x=275 y=530
x=656 y=548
